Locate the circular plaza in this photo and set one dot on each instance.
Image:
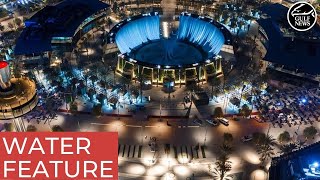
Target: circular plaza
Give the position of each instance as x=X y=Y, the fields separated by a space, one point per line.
x=182 y=55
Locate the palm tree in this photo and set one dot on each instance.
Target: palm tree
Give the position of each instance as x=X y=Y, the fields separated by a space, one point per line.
x=265 y=152
x=217 y=175
x=287 y=148
x=223 y=166
x=109 y=22
x=74 y=81
x=269 y=140
x=227 y=139
x=94 y=79
x=214 y=82
x=233 y=24
x=141 y=79
x=1 y=27
x=68 y=75
x=73 y=108
x=126 y=82
x=226 y=149
x=265 y=147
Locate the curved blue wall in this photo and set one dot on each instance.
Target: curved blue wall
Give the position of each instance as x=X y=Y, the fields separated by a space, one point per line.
x=136 y=32
x=202 y=33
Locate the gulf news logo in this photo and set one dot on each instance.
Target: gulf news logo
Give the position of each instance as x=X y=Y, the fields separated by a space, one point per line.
x=302 y=16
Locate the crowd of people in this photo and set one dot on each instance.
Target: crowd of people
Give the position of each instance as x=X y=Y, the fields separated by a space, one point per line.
x=291 y=108
x=46 y=110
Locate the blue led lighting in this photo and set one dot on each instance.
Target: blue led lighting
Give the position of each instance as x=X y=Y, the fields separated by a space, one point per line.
x=201 y=33
x=197 y=31
x=138 y=32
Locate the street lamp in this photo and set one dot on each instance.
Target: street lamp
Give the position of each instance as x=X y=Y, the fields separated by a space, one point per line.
x=205 y=136
x=160 y=110
x=158 y=75
x=118 y=106
x=244 y=86
x=225 y=102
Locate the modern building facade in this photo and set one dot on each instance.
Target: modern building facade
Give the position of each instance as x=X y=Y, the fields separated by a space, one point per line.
x=287 y=50
x=18 y=96
x=298 y=164
x=58 y=28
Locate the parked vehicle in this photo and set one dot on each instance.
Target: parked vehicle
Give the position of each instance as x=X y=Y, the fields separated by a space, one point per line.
x=212 y=122
x=246 y=138
x=198 y=122
x=224 y=121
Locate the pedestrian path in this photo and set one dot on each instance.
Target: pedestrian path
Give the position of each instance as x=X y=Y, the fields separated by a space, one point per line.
x=129 y=151
x=179 y=152
x=187 y=151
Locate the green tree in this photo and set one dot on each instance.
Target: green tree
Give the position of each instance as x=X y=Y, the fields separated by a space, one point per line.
x=245 y=110
x=8 y=127
x=18 y=21
x=309 y=132
x=287 y=148
x=1 y=27
x=74 y=108
x=223 y=166
x=269 y=140
x=94 y=79
x=141 y=78
x=227 y=138
x=265 y=152
x=97 y=110
x=57 y=128
x=218 y=112
x=264 y=145
x=109 y=22
x=31 y=128
x=3 y=13
x=225 y=149
x=284 y=137
x=214 y=82
x=10 y=26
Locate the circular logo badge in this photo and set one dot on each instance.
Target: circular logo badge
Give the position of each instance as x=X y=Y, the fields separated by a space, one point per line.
x=302 y=16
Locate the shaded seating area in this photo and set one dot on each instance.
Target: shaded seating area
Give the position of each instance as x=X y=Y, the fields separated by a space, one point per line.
x=290 y=108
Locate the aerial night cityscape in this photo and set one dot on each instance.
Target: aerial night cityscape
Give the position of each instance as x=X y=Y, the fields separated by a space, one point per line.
x=195 y=89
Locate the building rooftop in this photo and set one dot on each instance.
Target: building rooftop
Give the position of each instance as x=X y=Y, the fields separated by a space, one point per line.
x=61 y=20
x=296 y=164
x=275 y=11
x=295 y=50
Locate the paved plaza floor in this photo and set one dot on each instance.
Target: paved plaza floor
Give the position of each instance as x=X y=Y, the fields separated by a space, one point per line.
x=136 y=161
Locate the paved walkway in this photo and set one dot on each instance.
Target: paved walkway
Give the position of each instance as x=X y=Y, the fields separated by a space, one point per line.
x=182 y=135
